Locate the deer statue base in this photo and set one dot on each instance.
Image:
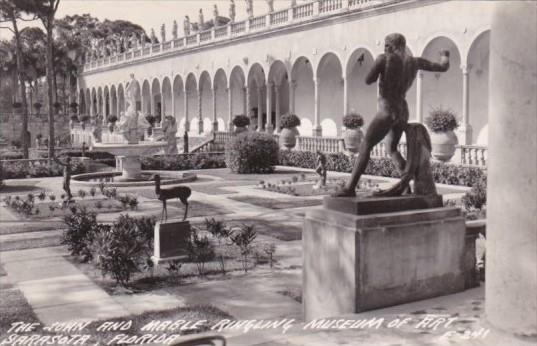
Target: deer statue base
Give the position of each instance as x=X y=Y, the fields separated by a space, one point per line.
x=171 y=241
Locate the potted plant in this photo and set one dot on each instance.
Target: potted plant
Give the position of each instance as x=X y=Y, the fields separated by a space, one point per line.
x=111 y=122
x=442 y=122
x=353 y=134
x=57 y=105
x=289 y=123
x=17 y=105
x=83 y=120
x=240 y=122
x=151 y=119
x=37 y=106
x=73 y=106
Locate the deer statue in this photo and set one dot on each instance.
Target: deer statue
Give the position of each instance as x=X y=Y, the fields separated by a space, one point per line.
x=181 y=192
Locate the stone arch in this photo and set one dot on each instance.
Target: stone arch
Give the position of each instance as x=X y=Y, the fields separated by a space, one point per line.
x=330 y=83
x=206 y=93
x=279 y=76
x=478 y=78
x=113 y=101
x=146 y=98
x=166 y=97
x=191 y=89
x=257 y=92
x=330 y=128
x=306 y=127
x=82 y=108
x=442 y=89
x=156 y=99
x=178 y=89
x=120 y=100
x=302 y=82
x=361 y=98
x=237 y=83
x=220 y=87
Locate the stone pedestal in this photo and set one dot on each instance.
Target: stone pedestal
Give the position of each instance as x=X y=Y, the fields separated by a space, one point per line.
x=354 y=263
x=171 y=240
x=130 y=167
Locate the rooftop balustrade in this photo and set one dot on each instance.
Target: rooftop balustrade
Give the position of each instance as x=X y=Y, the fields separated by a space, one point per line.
x=313 y=10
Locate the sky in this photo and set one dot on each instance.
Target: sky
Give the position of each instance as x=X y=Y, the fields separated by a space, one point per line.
x=153 y=13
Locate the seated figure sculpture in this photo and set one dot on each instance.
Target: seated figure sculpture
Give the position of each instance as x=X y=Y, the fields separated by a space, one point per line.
x=395 y=71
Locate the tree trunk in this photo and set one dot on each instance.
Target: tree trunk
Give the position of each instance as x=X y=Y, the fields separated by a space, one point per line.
x=50 y=89
x=24 y=135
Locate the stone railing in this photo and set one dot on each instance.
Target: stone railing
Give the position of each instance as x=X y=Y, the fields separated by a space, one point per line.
x=473 y=155
x=324 y=144
x=307 y=11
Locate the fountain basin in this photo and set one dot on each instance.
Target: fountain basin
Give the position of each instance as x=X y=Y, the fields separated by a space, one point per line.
x=128 y=156
x=114 y=179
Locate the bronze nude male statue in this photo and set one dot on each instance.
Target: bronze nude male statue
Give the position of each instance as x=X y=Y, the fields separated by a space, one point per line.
x=395 y=71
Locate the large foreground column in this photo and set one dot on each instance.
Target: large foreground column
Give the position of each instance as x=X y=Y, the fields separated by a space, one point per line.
x=511 y=267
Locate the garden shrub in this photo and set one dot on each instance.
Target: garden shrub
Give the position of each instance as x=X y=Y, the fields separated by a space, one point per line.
x=81 y=228
x=22 y=169
x=244 y=237
x=125 y=248
x=476 y=199
x=11 y=155
x=200 y=250
x=252 y=152
x=443 y=173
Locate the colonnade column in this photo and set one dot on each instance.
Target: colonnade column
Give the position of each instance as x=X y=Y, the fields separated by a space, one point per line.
x=345 y=95
x=200 y=114
x=465 y=130
x=118 y=107
x=269 y=127
x=173 y=104
x=260 y=108
x=246 y=101
x=230 y=110
x=419 y=97
x=317 y=130
x=187 y=122
x=278 y=110
x=292 y=88
x=215 y=120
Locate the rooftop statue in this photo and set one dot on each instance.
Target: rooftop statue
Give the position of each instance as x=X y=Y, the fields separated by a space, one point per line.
x=174 y=30
x=163 y=33
x=153 y=37
x=270 y=4
x=232 y=11
x=186 y=26
x=215 y=15
x=130 y=124
x=395 y=71
x=249 y=8
x=200 y=20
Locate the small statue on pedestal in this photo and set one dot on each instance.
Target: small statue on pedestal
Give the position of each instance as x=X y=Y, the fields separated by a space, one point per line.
x=170 y=130
x=67 y=171
x=232 y=13
x=321 y=169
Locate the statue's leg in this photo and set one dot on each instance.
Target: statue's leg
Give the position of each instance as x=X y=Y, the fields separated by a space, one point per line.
x=377 y=130
x=392 y=141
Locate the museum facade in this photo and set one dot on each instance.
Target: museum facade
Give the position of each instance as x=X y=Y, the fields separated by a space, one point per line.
x=310 y=59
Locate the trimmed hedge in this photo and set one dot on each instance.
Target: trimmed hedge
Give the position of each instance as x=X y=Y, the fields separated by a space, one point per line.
x=21 y=169
x=252 y=152
x=443 y=173
x=183 y=162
